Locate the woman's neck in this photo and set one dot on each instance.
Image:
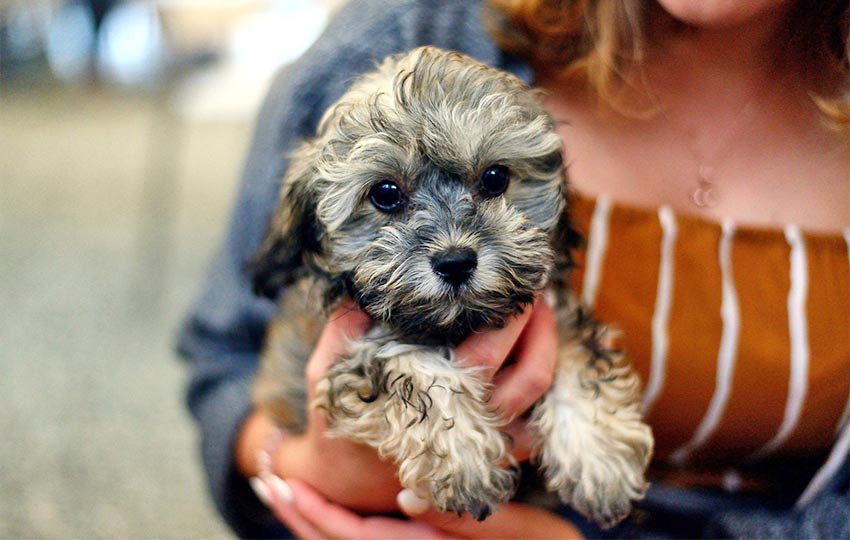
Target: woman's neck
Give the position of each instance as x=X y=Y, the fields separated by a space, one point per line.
x=733 y=60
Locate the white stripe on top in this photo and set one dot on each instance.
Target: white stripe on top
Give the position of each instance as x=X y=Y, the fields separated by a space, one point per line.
x=842 y=446
x=661 y=315
x=829 y=469
x=799 y=333
x=845 y=416
x=731 y=316
x=597 y=245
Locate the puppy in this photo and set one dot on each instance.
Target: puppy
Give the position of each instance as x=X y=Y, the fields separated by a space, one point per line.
x=434 y=195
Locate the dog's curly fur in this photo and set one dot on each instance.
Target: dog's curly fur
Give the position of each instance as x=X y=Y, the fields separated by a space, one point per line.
x=433 y=123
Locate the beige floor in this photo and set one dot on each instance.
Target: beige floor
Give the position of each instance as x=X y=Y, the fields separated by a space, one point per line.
x=109 y=210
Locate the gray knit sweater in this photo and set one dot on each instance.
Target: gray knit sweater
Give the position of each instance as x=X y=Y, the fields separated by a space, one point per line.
x=223 y=334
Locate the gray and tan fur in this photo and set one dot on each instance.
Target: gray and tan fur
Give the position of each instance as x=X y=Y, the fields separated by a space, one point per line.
x=440 y=127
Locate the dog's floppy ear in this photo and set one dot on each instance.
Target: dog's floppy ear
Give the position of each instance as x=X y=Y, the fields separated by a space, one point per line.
x=293 y=234
x=565 y=238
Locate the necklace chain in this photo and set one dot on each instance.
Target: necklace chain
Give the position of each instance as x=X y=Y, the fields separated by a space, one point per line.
x=704 y=195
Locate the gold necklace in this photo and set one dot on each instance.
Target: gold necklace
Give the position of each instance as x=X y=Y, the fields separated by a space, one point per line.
x=704 y=195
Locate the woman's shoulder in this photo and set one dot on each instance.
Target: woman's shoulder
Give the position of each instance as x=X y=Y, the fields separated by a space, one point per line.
x=363 y=32
x=410 y=23
x=359 y=36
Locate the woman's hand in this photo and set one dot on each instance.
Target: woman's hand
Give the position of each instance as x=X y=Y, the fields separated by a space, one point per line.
x=351 y=474
x=312 y=517
x=531 y=342
x=345 y=472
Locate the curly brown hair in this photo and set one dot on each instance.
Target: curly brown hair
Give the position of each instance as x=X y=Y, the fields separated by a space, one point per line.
x=599 y=40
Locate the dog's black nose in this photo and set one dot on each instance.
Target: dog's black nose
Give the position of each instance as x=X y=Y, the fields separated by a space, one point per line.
x=455 y=266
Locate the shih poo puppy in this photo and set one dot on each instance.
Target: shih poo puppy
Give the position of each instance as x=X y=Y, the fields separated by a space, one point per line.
x=434 y=195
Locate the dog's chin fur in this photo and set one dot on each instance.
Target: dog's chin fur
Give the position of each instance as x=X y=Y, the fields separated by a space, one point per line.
x=421 y=324
x=433 y=123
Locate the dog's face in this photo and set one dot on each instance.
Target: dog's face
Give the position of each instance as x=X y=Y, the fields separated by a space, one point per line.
x=431 y=194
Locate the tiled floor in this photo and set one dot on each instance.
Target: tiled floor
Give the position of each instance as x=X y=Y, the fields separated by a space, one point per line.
x=109 y=210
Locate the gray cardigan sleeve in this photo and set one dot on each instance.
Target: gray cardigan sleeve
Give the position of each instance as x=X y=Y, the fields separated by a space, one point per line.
x=223 y=333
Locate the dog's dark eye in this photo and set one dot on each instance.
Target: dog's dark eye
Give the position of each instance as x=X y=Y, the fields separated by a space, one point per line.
x=495 y=180
x=387 y=197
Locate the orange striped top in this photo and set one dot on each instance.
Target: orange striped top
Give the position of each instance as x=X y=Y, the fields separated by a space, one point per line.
x=740 y=334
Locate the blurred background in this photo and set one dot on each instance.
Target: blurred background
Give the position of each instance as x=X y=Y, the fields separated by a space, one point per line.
x=123 y=125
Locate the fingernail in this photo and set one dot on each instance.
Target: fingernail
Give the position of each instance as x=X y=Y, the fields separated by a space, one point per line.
x=549 y=298
x=261 y=490
x=281 y=489
x=411 y=503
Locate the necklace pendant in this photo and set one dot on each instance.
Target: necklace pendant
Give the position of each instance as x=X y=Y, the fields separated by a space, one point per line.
x=704 y=196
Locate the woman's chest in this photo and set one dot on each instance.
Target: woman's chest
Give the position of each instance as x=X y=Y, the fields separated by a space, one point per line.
x=769 y=170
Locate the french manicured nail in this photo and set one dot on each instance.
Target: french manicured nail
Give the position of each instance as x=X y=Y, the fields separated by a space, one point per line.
x=281 y=489
x=261 y=490
x=411 y=503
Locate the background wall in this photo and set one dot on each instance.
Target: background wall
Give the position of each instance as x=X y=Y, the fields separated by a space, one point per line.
x=115 y=186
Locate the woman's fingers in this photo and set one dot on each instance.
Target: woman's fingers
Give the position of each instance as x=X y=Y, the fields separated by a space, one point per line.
x=521 y=438
x=520 y=385
x=278 y=496
x=312 y=517
x=533 y=339
x=346 y=323
x=490 y=349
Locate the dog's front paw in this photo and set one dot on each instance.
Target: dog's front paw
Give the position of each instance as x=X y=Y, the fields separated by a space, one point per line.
x=601 y=481
x=455 y=453
x=476 y=489
x=352 y=402
x=592 y=444
x=430 y=418
x=446 y=441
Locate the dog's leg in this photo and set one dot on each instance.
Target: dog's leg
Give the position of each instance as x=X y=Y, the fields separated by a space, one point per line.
x=280 y=388
x=590 y=440
x=430 y=417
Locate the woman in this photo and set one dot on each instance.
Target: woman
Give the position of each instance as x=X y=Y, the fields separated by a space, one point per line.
x=697 y=133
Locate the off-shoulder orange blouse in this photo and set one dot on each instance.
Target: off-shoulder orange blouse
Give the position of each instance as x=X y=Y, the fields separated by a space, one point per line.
x=741 y=335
